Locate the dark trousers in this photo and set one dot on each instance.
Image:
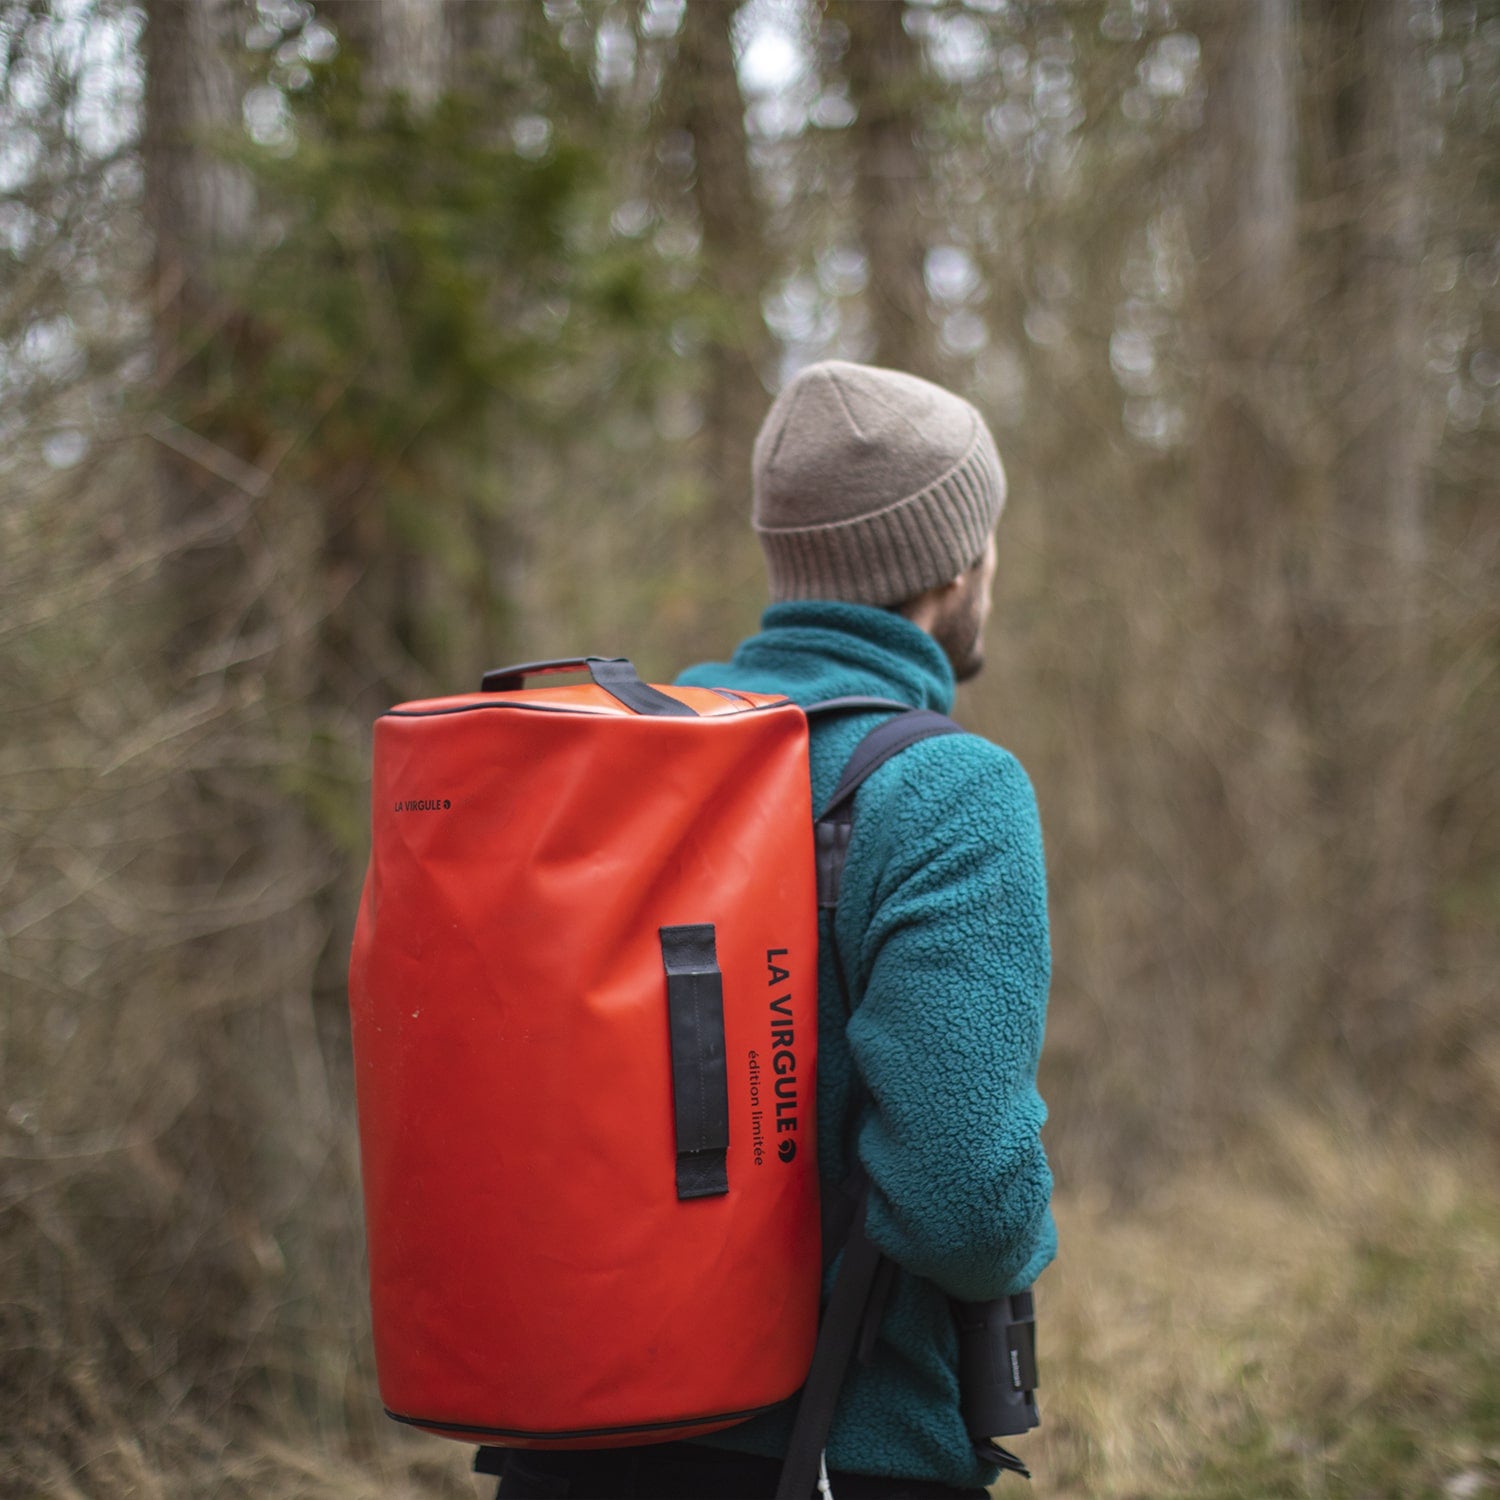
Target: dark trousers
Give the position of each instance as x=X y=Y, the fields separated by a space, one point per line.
x=678 y=1471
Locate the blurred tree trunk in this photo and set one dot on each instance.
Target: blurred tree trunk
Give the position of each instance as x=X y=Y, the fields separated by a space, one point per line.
x=388 y=598
x=406 y=46
x=236 y=862
x=1375 y=642
x=373 y=650
x=884 y=68
x=484 y=37
x=1249 y=294
x=196 y=206
x=705 y=101
x=1256 y=807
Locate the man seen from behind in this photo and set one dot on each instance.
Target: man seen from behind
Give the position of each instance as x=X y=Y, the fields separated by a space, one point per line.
x=876 y=498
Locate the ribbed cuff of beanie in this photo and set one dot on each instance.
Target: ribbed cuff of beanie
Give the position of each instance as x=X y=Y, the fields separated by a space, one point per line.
x=888 y=556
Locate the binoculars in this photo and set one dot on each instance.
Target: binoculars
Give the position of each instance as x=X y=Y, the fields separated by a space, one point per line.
x=997 y=1372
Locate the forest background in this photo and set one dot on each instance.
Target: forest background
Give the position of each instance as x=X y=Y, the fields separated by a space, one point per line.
x=349 y=349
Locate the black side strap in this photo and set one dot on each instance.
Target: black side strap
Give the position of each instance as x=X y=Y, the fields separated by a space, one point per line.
x=842 y=1325
x=831 y=847
x=700 y=1087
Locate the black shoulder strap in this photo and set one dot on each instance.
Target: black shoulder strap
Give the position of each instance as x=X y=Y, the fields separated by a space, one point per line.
x=854 y=1302
x=835 y=824
x=880 y=744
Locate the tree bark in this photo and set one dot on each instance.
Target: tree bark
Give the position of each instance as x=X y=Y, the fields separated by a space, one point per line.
x=1251 y=831
x=196 y=206
x=1250 y=295
x=484 y=37
x=235 y=590
x=1375 y=647
x=884 y=69
x=708 y=106
x=406 y=45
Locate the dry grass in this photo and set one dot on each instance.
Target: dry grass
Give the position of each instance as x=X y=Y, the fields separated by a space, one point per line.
x=1314 y=1316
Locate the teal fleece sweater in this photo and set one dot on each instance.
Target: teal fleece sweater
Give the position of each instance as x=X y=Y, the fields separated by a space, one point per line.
x=942 y=930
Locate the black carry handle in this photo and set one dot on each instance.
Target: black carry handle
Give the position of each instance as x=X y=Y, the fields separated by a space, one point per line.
x=700 y=1090
x=613 y=673
x=509 y=679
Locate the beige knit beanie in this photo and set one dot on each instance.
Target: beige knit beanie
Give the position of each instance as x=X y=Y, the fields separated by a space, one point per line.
x=871 y=486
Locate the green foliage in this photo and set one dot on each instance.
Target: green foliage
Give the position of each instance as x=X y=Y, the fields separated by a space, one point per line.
x=422 y=270
x=435 y=293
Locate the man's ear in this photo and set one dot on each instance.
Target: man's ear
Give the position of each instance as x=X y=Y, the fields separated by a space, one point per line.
x=928 y=606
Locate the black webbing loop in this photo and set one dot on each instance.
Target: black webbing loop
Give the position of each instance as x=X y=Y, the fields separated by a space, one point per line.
x=620 y=680
x=700 y=1087
x=613 y=673
x=1002 y=1458
x=831 y=844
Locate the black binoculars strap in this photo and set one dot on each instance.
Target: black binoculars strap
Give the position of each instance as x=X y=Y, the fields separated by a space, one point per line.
x=843 y=1322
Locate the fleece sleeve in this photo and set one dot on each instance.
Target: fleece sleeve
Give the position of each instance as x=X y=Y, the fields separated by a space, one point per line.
x=953 y=969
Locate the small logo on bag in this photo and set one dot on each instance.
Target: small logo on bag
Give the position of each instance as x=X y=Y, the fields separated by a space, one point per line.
x=787 y=1150
x=425 y=804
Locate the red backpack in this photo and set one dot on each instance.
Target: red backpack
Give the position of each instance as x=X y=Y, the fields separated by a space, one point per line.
x=584 y=998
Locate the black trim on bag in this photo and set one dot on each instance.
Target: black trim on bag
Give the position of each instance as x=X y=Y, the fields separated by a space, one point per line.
x=724 y=1417
x=577 y=712
x=700 y=1080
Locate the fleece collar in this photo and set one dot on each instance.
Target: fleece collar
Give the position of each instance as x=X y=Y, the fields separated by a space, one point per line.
x=822 y=649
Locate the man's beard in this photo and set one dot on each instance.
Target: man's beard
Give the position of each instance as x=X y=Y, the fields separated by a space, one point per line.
x=960 y=633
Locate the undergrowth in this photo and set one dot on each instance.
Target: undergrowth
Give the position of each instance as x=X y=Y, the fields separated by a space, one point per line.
x=1313 y=1317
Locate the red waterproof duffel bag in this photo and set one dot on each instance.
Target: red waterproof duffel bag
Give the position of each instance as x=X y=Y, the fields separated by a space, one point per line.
x=583 y=994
